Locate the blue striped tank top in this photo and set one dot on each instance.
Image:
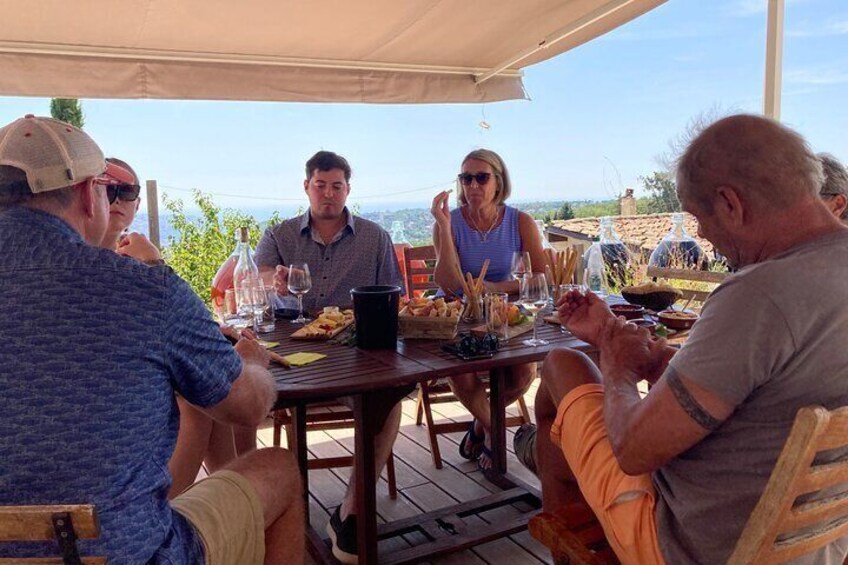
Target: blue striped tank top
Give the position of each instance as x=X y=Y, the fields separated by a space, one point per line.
x=499 y=246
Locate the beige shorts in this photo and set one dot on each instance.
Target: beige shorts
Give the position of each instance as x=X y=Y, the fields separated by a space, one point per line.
x=225 y=511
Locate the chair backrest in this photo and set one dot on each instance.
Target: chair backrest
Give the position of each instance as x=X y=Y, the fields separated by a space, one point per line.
x=782 y=527
x=64 y=524
x=691 y=275
x=420 y=263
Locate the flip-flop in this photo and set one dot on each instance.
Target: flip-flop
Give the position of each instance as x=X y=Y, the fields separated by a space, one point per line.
x=524 y=444
x=485 y=451
x=471 y=444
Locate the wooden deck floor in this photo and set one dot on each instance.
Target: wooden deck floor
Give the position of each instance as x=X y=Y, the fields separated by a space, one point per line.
x=420 y=486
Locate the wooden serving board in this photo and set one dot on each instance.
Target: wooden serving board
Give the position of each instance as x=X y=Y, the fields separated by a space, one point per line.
x=513 y=330
x=302 y=334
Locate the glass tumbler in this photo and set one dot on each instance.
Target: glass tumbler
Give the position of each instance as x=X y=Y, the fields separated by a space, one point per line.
x=497 y=314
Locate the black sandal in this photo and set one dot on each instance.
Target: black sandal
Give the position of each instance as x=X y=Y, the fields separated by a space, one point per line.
x=471 y=445
x=524 y=444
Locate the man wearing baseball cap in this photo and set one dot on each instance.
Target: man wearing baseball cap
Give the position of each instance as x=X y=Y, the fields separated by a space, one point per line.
x=94 y=349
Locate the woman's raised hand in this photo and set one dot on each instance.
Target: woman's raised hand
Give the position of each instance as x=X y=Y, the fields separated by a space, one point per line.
x=441 y=210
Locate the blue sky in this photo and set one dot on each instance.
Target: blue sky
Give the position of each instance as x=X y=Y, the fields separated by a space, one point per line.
x=598 y=118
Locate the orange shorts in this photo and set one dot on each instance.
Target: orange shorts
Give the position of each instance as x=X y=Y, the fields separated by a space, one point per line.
x=623 y=504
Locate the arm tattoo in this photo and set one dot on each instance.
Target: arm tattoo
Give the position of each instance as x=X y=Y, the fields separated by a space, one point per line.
x=689 y=404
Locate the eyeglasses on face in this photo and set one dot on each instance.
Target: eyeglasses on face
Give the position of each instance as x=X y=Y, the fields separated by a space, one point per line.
x=481 y=178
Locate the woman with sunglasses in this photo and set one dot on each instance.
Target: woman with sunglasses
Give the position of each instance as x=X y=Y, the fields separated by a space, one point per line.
x=123 y=190
x=483 y=227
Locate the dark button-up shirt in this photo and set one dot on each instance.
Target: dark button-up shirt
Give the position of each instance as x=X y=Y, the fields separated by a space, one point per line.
x=360 y=254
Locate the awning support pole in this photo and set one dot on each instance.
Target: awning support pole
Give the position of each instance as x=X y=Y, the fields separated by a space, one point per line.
x=774 y=59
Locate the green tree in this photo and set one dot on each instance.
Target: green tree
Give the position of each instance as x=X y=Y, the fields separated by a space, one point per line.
x=662 y=193
x=596 y=209
x=202 y=244
x=68 y=110
x=564 y=212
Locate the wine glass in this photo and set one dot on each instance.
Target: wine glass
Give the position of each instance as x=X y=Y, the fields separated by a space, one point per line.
x=533 y=297
x=299 y=283
x=520 y=260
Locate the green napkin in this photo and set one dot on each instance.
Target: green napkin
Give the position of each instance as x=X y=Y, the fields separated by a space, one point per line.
x=300 y=359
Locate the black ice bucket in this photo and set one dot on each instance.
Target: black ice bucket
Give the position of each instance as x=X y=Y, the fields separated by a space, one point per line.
x=376 y=311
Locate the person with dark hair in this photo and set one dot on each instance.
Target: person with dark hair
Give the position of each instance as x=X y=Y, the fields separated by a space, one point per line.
x=674 y=476
x=327 y=161
x=91 y=373
x=343 y=251
x=834 y=190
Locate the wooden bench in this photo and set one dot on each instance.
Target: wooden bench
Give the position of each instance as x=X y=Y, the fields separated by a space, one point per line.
x=779 y=529
x=64 y=524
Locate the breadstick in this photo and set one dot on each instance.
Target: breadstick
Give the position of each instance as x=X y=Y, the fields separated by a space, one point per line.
x=482 y=277
x=551 y=276
x=549 y=254
x=277 y=358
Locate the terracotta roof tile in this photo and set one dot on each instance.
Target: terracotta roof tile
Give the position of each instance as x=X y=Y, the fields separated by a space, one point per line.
x=644 y=230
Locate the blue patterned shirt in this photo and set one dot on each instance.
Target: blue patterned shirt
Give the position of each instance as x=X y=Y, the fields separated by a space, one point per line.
x=94 y=345
x=360 y=254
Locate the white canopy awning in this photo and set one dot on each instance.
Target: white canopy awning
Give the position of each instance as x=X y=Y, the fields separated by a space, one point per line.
x=381 y=51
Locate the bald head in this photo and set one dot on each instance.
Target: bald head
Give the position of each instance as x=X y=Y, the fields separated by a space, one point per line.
x=768 y=165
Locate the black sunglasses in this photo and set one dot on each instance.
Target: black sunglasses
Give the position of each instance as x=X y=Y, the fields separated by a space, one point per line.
x=481 y=178
x=123 y=192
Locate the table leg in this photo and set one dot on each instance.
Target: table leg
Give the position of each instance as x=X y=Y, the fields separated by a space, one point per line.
x=298 y=414
x=365 y=482
x=497 y=407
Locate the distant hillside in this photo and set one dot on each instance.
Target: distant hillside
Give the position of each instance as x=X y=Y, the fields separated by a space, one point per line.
x=418 y=223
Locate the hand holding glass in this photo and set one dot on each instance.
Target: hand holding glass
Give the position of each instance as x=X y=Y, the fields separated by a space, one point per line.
x=533 y=297
x=299 y=283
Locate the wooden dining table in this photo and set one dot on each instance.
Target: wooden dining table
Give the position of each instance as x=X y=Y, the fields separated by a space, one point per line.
x=375 y=380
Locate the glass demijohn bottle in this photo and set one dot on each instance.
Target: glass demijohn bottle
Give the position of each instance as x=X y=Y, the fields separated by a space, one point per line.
x=677 y=250
x=246 y=280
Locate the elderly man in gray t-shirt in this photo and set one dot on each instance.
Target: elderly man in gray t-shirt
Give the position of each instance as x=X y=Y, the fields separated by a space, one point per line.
x=343 y=251
x=674 y=477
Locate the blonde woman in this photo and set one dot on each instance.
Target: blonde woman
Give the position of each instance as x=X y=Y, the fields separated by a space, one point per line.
x=483 y=227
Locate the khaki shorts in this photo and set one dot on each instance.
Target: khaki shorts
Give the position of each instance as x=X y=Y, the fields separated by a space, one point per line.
x=623 y=504
x=225 y=511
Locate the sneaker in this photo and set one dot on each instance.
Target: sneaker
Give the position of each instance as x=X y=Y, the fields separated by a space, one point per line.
x=524 y=444
x=343 y=536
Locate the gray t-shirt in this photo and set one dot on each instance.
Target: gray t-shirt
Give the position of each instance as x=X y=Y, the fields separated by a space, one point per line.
x=361 y=254
x=771 y=339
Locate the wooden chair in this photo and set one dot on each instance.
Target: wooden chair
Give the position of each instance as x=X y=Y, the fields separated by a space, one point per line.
x=438 y=391
x=419 y=264
x=707 y=277
x=65 y=524
x=785 y=524
x=328 y=416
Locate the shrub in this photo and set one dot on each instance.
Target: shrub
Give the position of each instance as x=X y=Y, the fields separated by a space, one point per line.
x=202 y=244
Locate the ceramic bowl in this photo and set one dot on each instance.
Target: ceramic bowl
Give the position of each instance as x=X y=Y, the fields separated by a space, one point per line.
x=628 y=311
x=677 y=320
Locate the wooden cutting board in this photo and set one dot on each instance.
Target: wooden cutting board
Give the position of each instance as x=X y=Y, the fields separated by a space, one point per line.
x=513 y=330
x=304 y=335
